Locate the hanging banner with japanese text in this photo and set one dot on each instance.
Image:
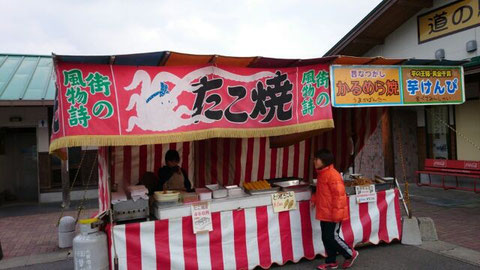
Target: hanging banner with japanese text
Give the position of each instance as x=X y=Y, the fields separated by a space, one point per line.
x=129 y=105
x=361 y=86
x=451 y=18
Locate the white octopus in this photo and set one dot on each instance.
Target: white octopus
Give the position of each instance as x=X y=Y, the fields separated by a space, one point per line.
x=159 y=114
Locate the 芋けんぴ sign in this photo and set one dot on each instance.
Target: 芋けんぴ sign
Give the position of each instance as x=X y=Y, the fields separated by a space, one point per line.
x=130 y=105
x=360 y=86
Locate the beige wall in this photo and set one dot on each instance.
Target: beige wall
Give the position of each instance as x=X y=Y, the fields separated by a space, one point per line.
x=403 y=42
x=468 y=123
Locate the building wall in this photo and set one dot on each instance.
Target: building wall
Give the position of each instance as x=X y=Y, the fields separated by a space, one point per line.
x=403 y=42
x=19 y=164
x=31 y=118
x=465 y=115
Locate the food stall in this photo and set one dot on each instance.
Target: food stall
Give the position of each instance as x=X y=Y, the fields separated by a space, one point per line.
x=253 y=235
x=221 y=114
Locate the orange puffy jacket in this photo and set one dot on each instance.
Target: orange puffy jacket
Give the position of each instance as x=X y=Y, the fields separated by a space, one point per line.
x=330 y=199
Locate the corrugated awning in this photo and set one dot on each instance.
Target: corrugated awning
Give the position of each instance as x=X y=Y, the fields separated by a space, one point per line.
x=168 y=58
x=26 y=80
x=472 y=66
x=434 y=62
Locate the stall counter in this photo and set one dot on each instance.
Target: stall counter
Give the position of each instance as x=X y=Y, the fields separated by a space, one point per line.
x=224 y=204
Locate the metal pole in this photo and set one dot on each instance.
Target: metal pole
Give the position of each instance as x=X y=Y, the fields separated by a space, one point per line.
x=407 y=211
x=353 y=138
x=1 y=252
x=65 y=183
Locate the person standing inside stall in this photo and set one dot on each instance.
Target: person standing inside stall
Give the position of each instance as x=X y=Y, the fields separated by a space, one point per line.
x=330 y=202
x=172 y=176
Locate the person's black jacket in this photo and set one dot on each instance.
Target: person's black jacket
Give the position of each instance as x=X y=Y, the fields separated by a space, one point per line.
x=166 y=172
x=150 y=181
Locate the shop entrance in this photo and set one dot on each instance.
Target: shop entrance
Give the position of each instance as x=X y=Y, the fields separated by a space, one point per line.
x=18 y=163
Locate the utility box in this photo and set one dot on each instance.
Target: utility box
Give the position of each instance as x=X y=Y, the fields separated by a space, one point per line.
x=66 y=232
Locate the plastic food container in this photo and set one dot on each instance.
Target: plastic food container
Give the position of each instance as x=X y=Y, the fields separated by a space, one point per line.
x=213 y=187
x=235 y=192
x=169 y=196
x=220 y=193
x=189 y=197
x=217 y=191
x=203 y=194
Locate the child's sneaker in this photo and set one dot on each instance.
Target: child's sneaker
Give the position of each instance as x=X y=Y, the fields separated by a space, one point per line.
x=328 y=266
x=348 y=263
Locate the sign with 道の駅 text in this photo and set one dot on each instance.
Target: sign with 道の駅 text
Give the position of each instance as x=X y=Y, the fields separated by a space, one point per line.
x=446 y=20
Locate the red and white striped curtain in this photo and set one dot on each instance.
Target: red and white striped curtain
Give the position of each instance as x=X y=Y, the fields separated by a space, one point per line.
x=350 y=124
x=234 y=161
x=103 y=186
x=129 y=163
x=224 y=161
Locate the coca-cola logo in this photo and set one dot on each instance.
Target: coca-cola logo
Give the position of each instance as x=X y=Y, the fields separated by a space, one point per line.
x=439 y=163
x=470 y=165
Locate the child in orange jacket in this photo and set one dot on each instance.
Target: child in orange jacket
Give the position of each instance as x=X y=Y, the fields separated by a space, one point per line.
x=330 y=202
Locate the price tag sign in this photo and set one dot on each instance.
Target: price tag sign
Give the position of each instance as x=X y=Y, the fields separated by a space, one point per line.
x=202 y=218
x=366 y=194
x=284 y=201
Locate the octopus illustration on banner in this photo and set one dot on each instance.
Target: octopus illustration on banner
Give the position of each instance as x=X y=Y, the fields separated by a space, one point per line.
x=156 y=107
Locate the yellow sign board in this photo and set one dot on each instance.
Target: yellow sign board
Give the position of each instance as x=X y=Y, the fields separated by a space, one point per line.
x=361 y=86
x=284 y=201
x=373 y=85
x=429 y=85
x=448 y=19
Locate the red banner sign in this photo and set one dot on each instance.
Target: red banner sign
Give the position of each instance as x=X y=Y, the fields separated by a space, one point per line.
x=127 y=105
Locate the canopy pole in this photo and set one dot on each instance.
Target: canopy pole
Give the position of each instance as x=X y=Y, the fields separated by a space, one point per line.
x=65 y=183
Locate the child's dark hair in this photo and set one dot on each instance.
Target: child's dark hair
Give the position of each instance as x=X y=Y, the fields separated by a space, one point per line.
x=326 y=156
x=172 y=155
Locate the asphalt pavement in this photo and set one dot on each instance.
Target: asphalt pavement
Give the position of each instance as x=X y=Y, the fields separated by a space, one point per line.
x=392 y=256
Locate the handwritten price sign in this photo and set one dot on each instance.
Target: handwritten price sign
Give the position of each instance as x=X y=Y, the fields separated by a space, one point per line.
x=202 y=218
x=366 y=194
x=284 y=201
